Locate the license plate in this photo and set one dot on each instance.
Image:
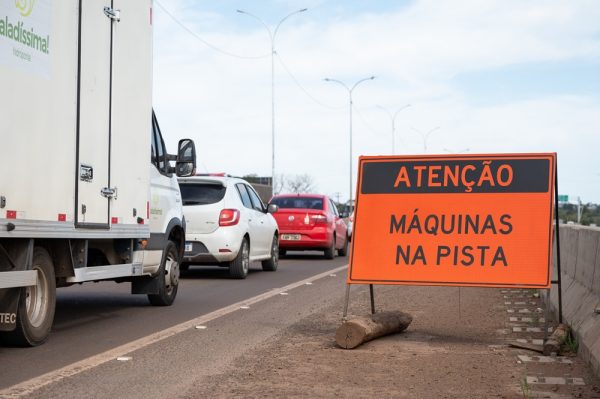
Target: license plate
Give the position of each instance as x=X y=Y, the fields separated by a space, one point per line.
x=188 y=247
x=290 y=237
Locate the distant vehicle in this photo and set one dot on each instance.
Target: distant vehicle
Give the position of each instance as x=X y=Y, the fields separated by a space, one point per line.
x=310 y=222
x=227 y=225
x=350 y=225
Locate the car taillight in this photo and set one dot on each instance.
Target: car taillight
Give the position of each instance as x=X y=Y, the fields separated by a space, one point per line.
x=320 y=218
x=229 y=217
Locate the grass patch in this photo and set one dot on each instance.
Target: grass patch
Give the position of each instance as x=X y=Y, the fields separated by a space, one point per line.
x=571 y=343
x=526 y=389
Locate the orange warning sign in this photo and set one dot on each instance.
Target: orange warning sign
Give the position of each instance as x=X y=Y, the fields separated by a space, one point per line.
x=477 y=220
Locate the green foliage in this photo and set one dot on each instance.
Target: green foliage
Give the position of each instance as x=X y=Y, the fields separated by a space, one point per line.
x=571 y=343
x=526 y=389
x=590 y=213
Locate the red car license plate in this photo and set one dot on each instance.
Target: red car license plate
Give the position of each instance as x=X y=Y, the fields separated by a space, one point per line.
x=290 y=237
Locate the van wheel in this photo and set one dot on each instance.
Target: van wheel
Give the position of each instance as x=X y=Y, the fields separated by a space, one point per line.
x=343 y=251
x=330 y=252
x=238 y=268
x=36 y=305
x=168 y=277
x=270 y=265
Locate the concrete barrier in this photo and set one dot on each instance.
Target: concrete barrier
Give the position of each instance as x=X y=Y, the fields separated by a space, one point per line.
x=580 y=264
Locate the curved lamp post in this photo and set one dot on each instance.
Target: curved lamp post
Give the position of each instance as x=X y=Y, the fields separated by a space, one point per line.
x=350 y=90
x=425 y=136
x=272 y=35
x=393 y=119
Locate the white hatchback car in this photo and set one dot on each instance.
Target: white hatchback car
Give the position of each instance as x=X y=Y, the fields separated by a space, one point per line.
x=228 y=225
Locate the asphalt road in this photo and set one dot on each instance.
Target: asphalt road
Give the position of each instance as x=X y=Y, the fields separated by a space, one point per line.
x=95 y=318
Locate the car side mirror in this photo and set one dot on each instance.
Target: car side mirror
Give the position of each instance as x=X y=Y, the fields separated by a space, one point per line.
x=272 y=208
x=185 y=165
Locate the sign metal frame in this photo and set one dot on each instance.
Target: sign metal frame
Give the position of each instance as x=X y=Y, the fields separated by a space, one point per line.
x=552 y=188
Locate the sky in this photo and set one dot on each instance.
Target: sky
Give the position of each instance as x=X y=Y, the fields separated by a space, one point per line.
x=490 y=76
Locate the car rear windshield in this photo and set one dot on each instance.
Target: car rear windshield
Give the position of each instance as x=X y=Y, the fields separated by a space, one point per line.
x=201 y=194
x=298 y=202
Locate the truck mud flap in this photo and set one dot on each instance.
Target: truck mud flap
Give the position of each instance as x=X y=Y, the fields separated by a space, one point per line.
x=13 y=257
x=9 y=301
x=145 y=285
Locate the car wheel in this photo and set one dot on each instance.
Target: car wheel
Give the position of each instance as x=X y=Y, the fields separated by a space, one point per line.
x=168 y=277
x=36 y=305
x=330 y=252
x=343 y=251
x=270 y=265
x=238 y=268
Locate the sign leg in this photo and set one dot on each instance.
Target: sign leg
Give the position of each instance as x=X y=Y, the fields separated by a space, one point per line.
x=372 y=298
x=557 y=227
x=347 y=298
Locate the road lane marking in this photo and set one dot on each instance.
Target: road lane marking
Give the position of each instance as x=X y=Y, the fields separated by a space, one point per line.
x=29 y=386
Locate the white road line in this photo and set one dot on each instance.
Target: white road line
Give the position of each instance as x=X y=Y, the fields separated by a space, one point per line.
x=32 y=385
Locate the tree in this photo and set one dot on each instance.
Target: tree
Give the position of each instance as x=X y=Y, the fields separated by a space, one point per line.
x=300 y=184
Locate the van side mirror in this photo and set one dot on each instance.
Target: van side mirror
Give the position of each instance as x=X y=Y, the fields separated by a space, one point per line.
x=185 y=165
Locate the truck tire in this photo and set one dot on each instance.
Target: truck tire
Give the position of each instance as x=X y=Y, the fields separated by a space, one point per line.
x=330 y=252
x=270 y=265
x=168 y=277
x=343 y=251
x=238 y=268
x=36 y=305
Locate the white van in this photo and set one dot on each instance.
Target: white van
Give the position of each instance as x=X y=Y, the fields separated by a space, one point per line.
x=79 y=200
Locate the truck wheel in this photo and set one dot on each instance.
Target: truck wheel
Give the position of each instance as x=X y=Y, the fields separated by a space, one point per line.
x=36 y=305
x=330 y=252
x=270 y=265
x=168 y=277
x=238 y=268
x=343 y=251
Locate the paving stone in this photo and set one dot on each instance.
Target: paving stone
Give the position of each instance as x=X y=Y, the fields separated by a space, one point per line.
x=555 y=381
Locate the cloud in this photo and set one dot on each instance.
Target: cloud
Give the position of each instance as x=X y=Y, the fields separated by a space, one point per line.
x=416 y=51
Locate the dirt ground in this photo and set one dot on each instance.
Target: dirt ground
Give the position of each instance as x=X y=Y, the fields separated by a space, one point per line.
x=456 y=347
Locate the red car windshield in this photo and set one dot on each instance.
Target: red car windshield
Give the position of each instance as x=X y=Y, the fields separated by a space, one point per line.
x=298 y=202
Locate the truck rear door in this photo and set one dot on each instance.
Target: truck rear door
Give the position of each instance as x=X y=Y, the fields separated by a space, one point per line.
x=93 y=190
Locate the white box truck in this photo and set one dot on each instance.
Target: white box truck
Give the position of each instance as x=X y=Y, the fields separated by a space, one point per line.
x=79 y=199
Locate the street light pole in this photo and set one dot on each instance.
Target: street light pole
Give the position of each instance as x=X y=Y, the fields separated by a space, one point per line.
x=425 y=136
x=393 y=119
x=272 y=35
x=350 y=102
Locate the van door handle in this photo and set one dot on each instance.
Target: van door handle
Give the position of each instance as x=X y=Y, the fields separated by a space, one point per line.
x=114 y=15
x=109 y=193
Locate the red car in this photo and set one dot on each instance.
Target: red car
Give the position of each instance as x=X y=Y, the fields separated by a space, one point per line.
x=310 y=222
